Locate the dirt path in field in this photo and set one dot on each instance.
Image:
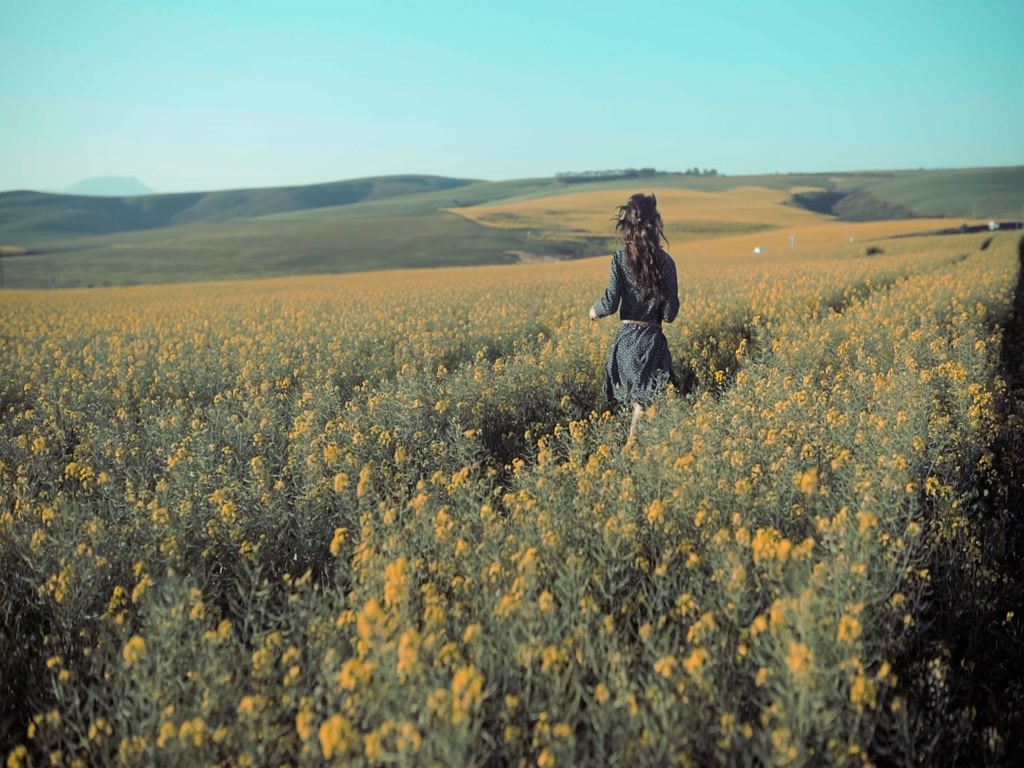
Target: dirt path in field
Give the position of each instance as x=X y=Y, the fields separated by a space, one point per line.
x=983 y=627
x=525 y=257
x=1009 y=443
x=1012 y=356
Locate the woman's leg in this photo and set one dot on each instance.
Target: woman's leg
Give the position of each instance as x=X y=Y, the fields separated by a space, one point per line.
x=637 y=413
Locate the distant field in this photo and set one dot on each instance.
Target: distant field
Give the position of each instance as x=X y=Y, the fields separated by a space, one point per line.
x=265 y=247
x=723 y=225
x=688 y=214
x=418 y=221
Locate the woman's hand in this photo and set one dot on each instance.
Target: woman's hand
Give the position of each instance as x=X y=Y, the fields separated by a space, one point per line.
x=593 y=314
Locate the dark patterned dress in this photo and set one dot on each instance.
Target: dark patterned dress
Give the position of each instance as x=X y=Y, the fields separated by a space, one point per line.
x=639 y=363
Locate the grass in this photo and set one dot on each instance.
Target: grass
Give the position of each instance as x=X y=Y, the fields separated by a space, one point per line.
x=35 y=217
x=953 y=193
x=264 y=248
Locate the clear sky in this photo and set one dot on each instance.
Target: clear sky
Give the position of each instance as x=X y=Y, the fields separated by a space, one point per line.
x=206 y=94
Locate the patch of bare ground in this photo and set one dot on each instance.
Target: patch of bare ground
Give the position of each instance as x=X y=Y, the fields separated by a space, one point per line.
x=526 y=257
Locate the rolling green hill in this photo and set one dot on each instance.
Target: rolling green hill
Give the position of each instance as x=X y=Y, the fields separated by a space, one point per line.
x=995 y=193
x=32 y=217
x=379 y=232
x=391 y=222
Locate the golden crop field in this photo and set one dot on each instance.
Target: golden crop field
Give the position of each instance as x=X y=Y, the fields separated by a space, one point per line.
x=386 y=519
x=729 y=222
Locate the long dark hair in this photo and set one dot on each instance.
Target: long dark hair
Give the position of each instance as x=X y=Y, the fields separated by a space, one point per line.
x=639 y=224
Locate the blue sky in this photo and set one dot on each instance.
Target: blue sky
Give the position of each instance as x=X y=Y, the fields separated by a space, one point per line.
x=203 y=95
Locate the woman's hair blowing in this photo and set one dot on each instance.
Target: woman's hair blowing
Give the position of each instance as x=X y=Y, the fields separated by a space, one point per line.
x=639 y=224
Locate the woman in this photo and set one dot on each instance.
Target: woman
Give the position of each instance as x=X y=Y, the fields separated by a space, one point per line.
x=643 y=280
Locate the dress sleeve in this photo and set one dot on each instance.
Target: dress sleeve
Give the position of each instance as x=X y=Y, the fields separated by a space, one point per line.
x=609 y=303
x=671 y=306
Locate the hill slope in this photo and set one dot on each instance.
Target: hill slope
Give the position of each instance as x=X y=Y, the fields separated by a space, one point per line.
x=33 y=217
x=418 y=221
x=952 y=193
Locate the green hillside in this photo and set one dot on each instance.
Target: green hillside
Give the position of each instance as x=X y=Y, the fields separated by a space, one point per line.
x=33 y=217
x=265 y=247
x=996 y=193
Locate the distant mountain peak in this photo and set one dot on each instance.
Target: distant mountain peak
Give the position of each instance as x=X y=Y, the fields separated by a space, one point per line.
x=109 y=186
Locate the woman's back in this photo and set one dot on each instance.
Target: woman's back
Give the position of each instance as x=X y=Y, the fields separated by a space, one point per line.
x=644 y=289
x=632 y=301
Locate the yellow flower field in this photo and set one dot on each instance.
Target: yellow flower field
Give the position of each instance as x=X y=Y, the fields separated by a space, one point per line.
x=387 y=519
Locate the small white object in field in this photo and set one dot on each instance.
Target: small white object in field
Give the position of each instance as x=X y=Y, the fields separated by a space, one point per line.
x=993 y=226
x=759 y=249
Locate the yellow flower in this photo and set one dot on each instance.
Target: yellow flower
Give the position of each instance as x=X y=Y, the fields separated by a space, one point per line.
x=409 y=738
x=340 y=536
x=862 y=692
x=373 y=746
x=251 y=705
x=665 y=666
x=471 y=632
x=335 y=736
x=193 y=730
x=352 y=671
x=656 y=512
x=145 y=583
x=685 y=605
x=467 y=692
x=340 y=482
x=18 y=757
x=866 y=521
x=167 y=732
x=304 y=724
x=849 y=629
x=98 y=729
x=765 y=544
x=808 y=481
x=782 y=739
x=696 y=660
x=363 y=486
x=798 y=659
x=601 y=693
x=133 y=649
x=370 y=617
x=395 y=581
x=331 y=453
x=408 y=646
